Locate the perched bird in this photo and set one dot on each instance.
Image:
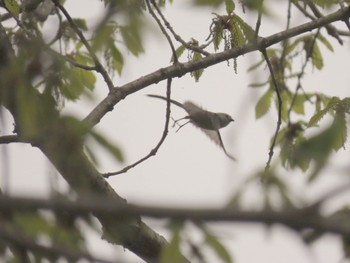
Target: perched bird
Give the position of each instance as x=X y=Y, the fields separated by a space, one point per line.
x=208 y=122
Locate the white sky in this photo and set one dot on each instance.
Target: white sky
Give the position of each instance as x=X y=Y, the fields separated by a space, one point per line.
x=189 y=170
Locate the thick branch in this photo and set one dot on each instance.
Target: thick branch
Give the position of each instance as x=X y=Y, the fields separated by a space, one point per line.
x=63 y=146
x=119 y=93
x=297 y=219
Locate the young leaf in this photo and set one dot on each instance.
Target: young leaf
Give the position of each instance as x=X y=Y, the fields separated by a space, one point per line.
x=171 y=252
x=237 y=36
x=320 y=114
x=118 y=60
x=230 y=6
x=248 y=31
x=218 y=247
x=114 y=150
x=12 y=6
x=218 y=32
x=263 y=105
x=81 y=24
x=179 y=51
x=197 y=73
x=298 y=106
x=325 y=42
x=132 y=38
x=316 y=118
x=317 y=59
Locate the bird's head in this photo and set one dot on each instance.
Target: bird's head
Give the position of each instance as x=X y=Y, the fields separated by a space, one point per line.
x=225 y=119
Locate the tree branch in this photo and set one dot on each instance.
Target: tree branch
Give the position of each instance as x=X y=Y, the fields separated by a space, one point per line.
x=155 y=149
x=296 y=219
x=178 y=70
x=178 y=37
x=9 y=139
x=279 y=108
x=69 y=159
x=161 y=28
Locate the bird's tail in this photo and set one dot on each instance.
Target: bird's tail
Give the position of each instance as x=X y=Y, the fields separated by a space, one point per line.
x=164 y=98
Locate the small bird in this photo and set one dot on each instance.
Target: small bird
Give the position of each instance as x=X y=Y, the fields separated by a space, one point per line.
x=208 y=122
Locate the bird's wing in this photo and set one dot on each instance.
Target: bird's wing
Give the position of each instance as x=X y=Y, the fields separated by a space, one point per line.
x=215 y=136
x=191 y=107
x=200 y=117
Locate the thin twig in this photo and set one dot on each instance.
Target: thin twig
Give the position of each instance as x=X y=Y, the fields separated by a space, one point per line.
x=9 y=139
x=177 y=37
x=258 y=22
x=69 y=60
x=279 y=104
x=82 y=38
x=301 y=74
x=285 y=42
x=161 y=27
x=156 y=148
x=331 y=30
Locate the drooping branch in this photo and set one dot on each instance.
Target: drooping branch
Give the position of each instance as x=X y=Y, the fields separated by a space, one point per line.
x=180 y=69
x=279 y=107
x=162 y=139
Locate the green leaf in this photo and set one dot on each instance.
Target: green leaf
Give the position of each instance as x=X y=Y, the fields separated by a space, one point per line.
x=12 y=6
x=298 y=106
x=81 y=24
x=171 y=252
x=263 y=105
x=340 y=131
x=32 y=224
x=118 y=60
x=104 y=36
x=88 y=79
x=317 y=59
x=293 y=45
x=132 y=38
x=218 y=247
x=316 y=118
x=320 y=114
x=218 y=32
x=325 y=42
x=286 y=98
x=237 y=36
x=197 y=73
x=319 y=147
x=248 y=31
x=114 y=150
x=83 y=58
x=230 y=6
x=179 y=51
x=213 y=3
x=256 y=65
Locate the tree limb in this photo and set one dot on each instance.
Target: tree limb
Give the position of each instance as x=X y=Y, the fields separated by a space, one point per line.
x=296 y=219
x=119 y=93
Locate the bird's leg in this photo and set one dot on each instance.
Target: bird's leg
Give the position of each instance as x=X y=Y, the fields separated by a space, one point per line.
x=176 y=122
x=180 y=126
